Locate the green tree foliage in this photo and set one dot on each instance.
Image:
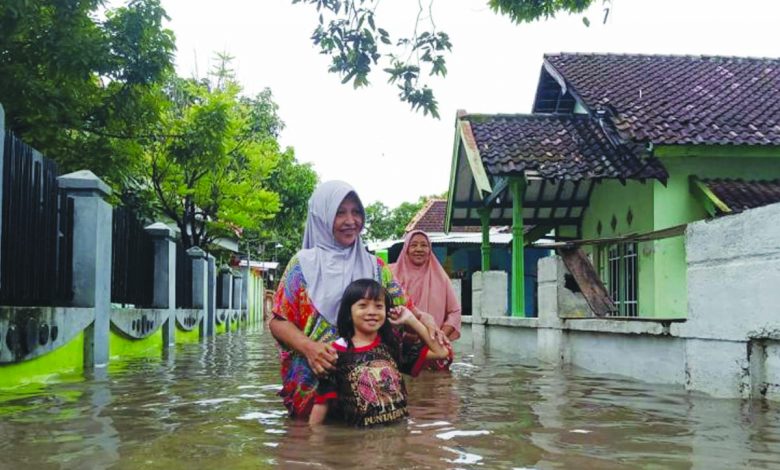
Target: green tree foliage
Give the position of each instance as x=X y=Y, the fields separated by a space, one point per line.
x=348 y=32
x=210 y=174
x=526 y=11
x=294 y=182
x=81 y=90
x=383 y=223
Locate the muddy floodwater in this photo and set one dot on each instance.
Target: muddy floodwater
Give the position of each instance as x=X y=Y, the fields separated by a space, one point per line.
x=213 y=405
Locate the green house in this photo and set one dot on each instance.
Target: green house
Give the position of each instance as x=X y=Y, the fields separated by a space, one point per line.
x=619 y=153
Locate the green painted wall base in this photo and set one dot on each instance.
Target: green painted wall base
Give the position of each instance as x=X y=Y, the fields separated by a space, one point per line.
x=121 y=346
x=66 y=361
x=186 y=337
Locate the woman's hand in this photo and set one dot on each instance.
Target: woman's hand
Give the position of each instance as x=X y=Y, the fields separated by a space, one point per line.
x=320 y=356
x=433 y=329
x=440 y=337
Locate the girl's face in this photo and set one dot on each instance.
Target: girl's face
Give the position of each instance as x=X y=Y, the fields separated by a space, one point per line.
x=368 y=315
x=419 y=249
x=348 y=222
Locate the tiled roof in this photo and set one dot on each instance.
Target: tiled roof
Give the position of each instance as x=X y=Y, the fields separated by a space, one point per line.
x=555 y=146
x=679 y=99
x=430 y=219
x=740 y=195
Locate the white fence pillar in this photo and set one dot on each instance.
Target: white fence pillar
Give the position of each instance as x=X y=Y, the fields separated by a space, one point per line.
x=211 y=298
x=199 y=284
x=92 y=218
x=164 y=295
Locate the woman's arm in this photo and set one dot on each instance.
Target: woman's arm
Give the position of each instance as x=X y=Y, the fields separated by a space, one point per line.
x=320 y=356
x=318 y=413
x=452 y=315
x=435 y=349
x=433 y=329
x=452 y=333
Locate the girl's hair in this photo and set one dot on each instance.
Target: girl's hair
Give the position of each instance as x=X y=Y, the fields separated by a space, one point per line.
x=365 y=289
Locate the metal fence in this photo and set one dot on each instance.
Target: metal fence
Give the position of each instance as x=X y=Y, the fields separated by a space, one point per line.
x=36 y=247
x=183 y=278
x=132 y=268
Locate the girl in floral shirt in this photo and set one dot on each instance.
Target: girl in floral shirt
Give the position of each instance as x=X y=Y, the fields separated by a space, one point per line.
x=366 y=388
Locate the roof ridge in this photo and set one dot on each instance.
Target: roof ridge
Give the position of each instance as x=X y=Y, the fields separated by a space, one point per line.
x=658 y=56
x=527 y=115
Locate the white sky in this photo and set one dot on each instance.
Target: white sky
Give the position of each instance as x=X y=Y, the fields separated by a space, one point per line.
x=372 y=140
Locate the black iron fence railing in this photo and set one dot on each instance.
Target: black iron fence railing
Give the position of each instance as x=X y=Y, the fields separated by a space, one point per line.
x=132 y=268
x=183 y=278
x=36 y=246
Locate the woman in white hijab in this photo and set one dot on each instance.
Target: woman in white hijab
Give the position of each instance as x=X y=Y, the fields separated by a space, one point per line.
x=307 y=299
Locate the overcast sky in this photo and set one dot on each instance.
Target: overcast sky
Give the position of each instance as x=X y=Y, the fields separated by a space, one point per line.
x=373 y=141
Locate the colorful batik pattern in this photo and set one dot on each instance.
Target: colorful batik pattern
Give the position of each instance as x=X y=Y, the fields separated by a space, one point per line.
x=292 y=303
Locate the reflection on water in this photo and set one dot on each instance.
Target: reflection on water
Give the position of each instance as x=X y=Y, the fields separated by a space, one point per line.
x=214 y=405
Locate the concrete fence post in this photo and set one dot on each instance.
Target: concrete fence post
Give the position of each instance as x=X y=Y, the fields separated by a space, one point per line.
x=164 y=295
x=225 y=286
x=211 y=310
x=199 y=283
x=489 y=299
x=478 y=337
x=92 y=219
x=238 y=297
x=549 y=336
x=245 y=288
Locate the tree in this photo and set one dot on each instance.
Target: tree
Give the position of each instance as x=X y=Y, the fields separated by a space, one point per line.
x=378 y=222
x=294 y=182
x=383 y=223
x=84 y=91
x=210 y=173
x=348 y=33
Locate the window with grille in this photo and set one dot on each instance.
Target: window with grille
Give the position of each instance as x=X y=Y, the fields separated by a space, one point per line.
x=618 y=268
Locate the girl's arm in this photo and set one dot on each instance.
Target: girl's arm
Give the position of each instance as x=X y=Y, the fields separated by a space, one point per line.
x=402 y=315
x=318 y=413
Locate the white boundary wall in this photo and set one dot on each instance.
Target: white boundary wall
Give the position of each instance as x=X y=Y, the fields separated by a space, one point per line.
x=728 y=347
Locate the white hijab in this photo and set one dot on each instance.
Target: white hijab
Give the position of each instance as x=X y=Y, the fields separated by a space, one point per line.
x=327 y=266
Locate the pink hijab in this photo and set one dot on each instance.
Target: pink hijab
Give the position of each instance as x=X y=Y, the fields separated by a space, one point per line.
x=428 y=285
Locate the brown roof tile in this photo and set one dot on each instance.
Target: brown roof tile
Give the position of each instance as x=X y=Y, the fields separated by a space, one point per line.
x=555 y=146
x=679 y=99
x=740 y=195
x=431 y=218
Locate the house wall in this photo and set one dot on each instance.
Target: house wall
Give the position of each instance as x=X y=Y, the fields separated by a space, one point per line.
x=611 y=198
x=674 y=204
x=662 y=270
x=729 y=346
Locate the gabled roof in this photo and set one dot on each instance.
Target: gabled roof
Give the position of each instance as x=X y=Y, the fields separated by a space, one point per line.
x=562 y=147
x=672 y=99
x=430 y=219
x=739 y=195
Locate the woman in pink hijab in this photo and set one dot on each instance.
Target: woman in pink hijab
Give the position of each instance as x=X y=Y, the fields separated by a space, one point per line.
x=427 y=285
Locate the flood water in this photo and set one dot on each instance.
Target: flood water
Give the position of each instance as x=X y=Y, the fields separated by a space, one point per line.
x=213 y=405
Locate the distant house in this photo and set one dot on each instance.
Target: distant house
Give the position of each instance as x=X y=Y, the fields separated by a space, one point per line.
x=619 y=153
x=459 y=251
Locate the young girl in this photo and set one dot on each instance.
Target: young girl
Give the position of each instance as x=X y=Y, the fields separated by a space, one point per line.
x=367 y=388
